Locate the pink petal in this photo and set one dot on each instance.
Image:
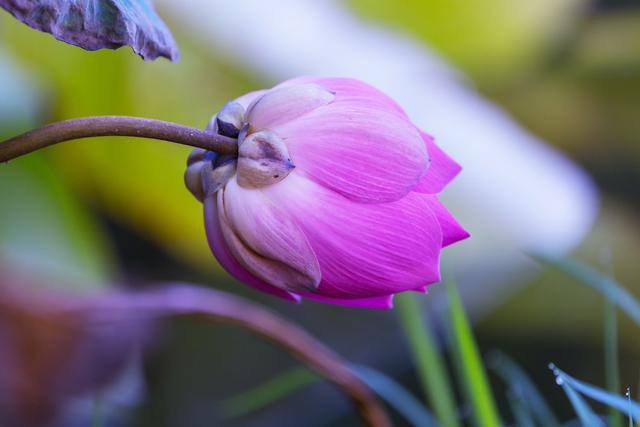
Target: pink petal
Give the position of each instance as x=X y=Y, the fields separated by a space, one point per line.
x=246 y=99
x=381 y=302
x=266 y=240
x=351 y=90
x=365 y=153
x=283 y=104
x=364 y=250
x=452 y=231
x=227 y=261
x=442 y=168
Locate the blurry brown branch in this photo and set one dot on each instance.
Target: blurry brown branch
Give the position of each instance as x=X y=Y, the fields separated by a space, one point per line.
x=85 y=127
x=211 y=305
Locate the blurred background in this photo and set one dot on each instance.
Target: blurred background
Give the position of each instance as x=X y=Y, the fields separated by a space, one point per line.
x=539 y=102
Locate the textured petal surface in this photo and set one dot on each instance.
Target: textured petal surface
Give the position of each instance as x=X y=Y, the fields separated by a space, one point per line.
x=283 y=104
x=452 y=231
x=366 y=153
x=226 y=259
x=364 y=250
x=442 y=168
x=350 y=90
x=266 y=240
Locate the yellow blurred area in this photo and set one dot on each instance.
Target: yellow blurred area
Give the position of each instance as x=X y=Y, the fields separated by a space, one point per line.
x=491 y=40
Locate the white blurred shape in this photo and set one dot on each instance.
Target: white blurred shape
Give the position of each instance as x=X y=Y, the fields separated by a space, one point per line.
x=515 y=193
x=19 y=97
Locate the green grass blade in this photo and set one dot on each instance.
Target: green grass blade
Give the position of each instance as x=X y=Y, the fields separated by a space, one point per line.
x=296 y=379
x=604 y=284
x=96 y=412
x=269 y=392
x=428 y=360
x=622 y=404
x=396 y=396
x=522 y=415
x=523 y=388
x=610 y=340
x=587 y=417
x=612 y=370
x=637 y=421
x=628 y=394
x=471 y=373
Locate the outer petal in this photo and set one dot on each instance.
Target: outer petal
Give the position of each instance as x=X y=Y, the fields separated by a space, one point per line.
x=452 y=231
x=442 y=168
x=266 y=240
x=383 y=302
x=225 y=258
x=351 y=90
x=246 y=99
x=364 y=250
x=365 y=153
x=284 y=104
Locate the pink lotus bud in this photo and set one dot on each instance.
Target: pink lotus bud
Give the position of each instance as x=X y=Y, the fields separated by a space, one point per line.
x=356 y=221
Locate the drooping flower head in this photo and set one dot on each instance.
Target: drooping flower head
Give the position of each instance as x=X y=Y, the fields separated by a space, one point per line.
x=332 y=196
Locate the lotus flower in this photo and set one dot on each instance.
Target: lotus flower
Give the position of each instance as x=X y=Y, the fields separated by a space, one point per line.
x=332 y=196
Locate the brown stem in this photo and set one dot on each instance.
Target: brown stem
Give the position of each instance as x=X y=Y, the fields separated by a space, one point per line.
x=189 y=300
x=84 y=127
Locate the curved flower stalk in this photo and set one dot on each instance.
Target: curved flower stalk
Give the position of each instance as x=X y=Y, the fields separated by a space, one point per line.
x=332 y=196
x=84 y=340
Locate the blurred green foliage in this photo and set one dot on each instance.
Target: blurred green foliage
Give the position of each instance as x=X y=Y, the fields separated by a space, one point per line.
x=136 y=181
x=43 y=229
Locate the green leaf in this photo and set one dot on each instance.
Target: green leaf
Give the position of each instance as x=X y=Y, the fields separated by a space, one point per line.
x=522 y=416
x=604 y=284
x=271 y=391
x=622 y=404
x=296 y=379
x=428 y=360
x=99 y=24
x=471 y=373
x=396 y=396
x=523 y=389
